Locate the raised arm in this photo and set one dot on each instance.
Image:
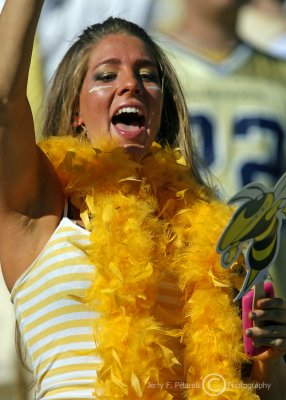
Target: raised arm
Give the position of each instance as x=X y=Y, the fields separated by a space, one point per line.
x=18 y=22
x=26 y=178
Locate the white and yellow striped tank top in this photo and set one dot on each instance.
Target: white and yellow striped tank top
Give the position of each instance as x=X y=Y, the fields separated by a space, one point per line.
x=57 y=329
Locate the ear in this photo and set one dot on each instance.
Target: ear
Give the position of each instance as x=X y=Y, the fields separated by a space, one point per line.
x=77 y=121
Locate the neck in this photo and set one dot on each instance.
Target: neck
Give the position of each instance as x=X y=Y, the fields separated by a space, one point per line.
x=268 y=6
x=202 y=29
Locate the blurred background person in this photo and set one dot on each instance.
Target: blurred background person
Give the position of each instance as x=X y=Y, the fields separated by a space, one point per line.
x=262 y=23
x=235 y=93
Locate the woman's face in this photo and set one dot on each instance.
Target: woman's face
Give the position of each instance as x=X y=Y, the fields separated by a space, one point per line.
x=121 y=96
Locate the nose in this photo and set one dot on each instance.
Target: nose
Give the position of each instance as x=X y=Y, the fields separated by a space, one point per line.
x=130 y=84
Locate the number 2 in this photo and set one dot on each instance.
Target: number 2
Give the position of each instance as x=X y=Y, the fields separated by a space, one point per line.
x=241 y=129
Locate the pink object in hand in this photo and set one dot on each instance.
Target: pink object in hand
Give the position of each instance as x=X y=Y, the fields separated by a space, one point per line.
x=247 y=306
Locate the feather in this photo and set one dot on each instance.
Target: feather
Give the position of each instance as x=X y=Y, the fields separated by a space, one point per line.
x=150 y=221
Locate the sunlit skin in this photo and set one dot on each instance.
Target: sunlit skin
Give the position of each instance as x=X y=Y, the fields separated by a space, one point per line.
x=213 y=6
x=208 y=24
x=121 y=74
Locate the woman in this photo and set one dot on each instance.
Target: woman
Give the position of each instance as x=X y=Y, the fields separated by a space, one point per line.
x=138 y=307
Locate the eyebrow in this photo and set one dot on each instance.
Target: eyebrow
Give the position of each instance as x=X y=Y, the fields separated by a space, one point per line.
x=116 y=61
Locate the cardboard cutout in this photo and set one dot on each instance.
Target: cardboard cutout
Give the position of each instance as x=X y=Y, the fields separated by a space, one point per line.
x=254 y=230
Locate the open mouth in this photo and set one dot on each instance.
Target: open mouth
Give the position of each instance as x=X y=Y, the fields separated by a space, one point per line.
x=129 y=122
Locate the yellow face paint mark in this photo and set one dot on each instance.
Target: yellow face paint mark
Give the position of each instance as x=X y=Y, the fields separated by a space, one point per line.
x=102 y=87
x=96 y=88
x=155 y=88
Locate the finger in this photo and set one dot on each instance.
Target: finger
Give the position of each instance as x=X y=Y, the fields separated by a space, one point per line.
x=268 y=303
x=273 y=336
x=267 y=332
x=276 y=315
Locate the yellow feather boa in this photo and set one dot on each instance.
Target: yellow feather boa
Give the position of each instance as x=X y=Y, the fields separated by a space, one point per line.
x=147 y=221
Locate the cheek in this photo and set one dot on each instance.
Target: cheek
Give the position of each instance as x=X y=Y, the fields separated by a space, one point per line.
x=95 y=96
x=98 y=98
x=94 y=106
x=157 y=113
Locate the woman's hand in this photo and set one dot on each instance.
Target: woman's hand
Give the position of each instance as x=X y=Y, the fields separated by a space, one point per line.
x=269 y=318
x=269 y=367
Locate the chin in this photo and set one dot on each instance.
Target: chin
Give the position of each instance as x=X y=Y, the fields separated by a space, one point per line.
x=136 y=151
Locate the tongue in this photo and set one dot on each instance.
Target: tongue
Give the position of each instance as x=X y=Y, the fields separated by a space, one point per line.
x=133 y=127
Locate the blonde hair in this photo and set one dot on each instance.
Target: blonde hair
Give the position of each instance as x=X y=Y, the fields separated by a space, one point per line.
x=63 y=98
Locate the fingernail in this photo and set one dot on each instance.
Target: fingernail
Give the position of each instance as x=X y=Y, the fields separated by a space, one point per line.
x=253 y=315
x=249 y=332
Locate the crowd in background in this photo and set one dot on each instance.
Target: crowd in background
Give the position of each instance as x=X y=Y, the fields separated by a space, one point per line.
x=259 y=23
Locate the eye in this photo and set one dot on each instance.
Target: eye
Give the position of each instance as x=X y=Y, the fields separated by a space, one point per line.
x=105 y=76
x=148 y=76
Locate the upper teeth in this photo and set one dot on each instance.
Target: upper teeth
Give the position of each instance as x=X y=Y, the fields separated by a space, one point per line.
x=128 y=110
